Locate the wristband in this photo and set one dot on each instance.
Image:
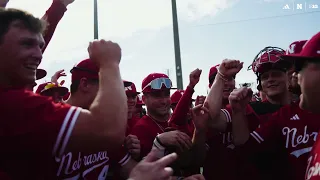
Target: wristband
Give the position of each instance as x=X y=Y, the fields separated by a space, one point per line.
x=221 y=76
x=161 y=149
x=158 y=140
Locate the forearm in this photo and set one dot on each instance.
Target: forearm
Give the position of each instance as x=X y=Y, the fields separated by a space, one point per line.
x=240 y=129
x=199 y=148
x=109 y=108
x=53 y=16
x=214 y=100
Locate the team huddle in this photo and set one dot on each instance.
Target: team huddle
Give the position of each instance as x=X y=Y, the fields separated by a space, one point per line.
x=101 y=127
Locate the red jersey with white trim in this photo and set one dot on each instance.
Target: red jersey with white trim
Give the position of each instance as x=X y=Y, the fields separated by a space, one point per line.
x=222 y=161
x=313 y=168
x=226 y=162
x=97 y=165
x=33 y=132
x=295 y=131
x=146 y=130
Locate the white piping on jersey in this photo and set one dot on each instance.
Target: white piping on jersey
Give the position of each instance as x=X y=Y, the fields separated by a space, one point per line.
x=125 y=160
x=62 y=130
x=70 y=129
x=257 y=137
x=227 y=114
x=62 y=139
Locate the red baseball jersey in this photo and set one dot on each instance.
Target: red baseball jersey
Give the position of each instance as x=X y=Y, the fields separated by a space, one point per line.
x=97 y=165
x=292 y=131
x=313 y=168
x=34 y=132
x=224 y=161
x=146 y=130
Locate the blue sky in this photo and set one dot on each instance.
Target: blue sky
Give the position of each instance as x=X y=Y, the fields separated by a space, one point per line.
x=210 y=30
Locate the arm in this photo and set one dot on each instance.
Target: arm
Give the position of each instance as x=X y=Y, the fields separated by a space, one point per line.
x=268 y=131
x=218 y=119
x=127 y=168
x=240 y=128
x=199 y=148
x=179 y=115
x=53 y=16
x=106 y=118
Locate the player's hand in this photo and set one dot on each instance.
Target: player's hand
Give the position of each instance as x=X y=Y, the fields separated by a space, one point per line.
x=57 y=75
x=153 y=168
x=66 y=2
x=195 y=177
x=200 y=100
x=104 y=53
x=132 y=144
x=200 y=116
x=239 y=98
x=177 y=139
x=194 y=77
x=230 y=68
x=3 y=3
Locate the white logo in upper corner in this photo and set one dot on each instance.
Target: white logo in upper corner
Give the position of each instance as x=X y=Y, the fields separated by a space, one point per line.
x=291 y=50
x=295 y=117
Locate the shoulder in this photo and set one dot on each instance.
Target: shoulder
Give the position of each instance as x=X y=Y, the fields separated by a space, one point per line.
x=21 y=106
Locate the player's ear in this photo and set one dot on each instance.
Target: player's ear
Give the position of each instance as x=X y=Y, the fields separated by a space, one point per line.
x=83 y=85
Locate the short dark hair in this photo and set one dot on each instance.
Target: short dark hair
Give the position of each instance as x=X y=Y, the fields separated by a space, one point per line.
x=75 y=85
x=9 y=15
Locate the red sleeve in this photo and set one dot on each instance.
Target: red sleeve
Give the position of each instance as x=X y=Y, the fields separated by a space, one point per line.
x=120 y=156
x=228 y=114
x=266 y=132
x=53 y=16
x=145 y=137
x=35 y=123
x=179 y=115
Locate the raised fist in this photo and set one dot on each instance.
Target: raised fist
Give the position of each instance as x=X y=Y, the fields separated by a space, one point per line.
x=104 y=53
x=66 y=2
x=239 y=98
x=194 y=77
x=200 y=100
x=200 y=115
x=230 y=67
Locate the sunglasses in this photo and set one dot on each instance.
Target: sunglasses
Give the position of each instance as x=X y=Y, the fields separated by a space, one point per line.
x=156 y=84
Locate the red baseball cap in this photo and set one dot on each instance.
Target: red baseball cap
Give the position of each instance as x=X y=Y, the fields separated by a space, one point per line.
x=40 y=73
x=176 y=96
x=47 y=89
x=310 y=50
x=212 y=74
x=296 y=47
x=155 y=82
x=85 y=69
x=130 y=88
